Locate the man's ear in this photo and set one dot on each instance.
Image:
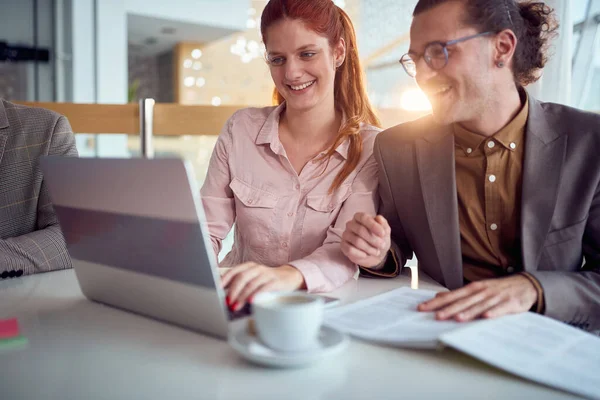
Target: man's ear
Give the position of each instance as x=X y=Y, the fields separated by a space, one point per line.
x=505 y=45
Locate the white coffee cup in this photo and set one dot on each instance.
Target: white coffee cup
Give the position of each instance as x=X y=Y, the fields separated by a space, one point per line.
x=288 y=321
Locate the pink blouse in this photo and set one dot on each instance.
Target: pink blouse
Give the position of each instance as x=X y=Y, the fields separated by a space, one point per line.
x=281 y=217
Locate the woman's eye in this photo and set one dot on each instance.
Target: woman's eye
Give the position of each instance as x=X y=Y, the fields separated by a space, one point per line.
x=276 y=61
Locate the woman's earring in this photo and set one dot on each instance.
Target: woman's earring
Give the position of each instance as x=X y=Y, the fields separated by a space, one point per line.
x=500 y=64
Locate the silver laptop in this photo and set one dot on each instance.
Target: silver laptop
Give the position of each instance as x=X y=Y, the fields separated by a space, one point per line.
x=136 y=233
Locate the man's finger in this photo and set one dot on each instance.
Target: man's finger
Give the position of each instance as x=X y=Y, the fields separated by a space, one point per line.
x=461 y=305
x=360 y=244
x=478 y=309
x=365 y=234
x=353 y=254
x=383 y=222
x=442 y=300
x=370 y=223
x=504 y=308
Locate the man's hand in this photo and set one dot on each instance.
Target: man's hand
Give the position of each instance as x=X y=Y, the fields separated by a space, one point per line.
x=245 y=281
x=366 y=240
x=484 y=299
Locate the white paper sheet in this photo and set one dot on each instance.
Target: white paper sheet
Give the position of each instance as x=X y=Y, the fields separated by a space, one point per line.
x=537 y=348
x=391 y=318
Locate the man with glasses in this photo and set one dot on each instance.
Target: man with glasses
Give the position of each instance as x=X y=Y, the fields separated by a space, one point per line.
x=30 y=238
x=496 y=193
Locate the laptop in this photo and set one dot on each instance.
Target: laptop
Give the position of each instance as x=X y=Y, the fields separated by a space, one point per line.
x=136 y=232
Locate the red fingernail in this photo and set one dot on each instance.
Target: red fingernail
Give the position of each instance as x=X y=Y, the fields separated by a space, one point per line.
x=235 y=306
x=227 y=301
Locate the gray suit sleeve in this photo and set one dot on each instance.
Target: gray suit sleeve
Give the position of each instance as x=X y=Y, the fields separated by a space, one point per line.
x=574 y=297
x=44 y=249
x=400 y=249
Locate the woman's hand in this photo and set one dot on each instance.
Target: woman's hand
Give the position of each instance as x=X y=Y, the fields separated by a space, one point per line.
x=245 y=281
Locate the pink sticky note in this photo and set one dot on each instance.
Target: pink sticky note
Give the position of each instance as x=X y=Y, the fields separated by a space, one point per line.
x=9 y=328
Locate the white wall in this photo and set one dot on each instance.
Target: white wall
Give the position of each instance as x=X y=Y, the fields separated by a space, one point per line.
x=229 y=14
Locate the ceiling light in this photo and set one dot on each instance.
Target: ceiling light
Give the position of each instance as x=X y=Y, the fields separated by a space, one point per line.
x=189 y=81
x=196 y=53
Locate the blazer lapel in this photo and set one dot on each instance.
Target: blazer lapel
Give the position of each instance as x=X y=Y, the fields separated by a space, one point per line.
x=435 y=158
x=4 y=125
x=545 y=149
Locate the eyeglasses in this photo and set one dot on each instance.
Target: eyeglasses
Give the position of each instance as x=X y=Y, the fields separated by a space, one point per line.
x=435 y=54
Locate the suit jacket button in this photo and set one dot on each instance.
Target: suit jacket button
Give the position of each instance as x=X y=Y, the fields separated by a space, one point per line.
x=12 y=274
x=510 y=270
x=4 y=275
x=19 y=272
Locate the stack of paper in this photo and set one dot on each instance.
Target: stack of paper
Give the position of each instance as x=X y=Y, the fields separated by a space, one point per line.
x=528 y=345
x=391 y=318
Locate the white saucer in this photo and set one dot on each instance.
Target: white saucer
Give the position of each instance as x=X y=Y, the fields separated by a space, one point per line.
x=252 y=349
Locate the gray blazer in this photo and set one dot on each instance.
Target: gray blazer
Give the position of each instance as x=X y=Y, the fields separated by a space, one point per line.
x=30 y=237
x=560 y=208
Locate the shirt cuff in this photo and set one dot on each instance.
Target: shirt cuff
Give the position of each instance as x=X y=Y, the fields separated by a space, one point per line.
x=389 y=267
x=313 y=276
x=539 y=306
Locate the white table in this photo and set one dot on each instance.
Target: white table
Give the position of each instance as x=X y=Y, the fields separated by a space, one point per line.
x=82 y=350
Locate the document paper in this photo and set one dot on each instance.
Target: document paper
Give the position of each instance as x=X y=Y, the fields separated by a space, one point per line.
x=391 y=318
x=536 y=348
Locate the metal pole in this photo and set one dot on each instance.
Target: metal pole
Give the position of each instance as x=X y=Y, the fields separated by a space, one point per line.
x=146 y=122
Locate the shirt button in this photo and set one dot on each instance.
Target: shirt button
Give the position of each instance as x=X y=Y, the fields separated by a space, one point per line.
x=284 y=245
x=290 y=214
x=297 y=187
x=469 y=150
x=492 y=178
x=491 y=144
x=513 y=145
x=510 y=270
x=493 y=227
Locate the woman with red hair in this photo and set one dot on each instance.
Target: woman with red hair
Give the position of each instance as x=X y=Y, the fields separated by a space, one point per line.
x=292 y=175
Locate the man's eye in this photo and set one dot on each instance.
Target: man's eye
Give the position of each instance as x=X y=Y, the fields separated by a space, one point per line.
x=308 y=54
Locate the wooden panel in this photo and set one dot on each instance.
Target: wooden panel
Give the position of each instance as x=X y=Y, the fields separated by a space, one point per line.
x=171 y=119
x=96 y=118
x=175 y=119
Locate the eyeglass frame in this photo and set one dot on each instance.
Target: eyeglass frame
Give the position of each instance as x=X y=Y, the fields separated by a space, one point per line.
x=444 y=49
